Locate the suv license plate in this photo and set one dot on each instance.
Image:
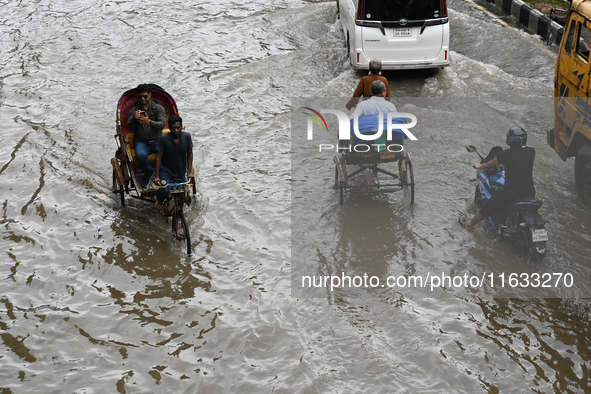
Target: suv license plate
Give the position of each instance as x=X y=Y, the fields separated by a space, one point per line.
x=539 y=235
x=405 y=32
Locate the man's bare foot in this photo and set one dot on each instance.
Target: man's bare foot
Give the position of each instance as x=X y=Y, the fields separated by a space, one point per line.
x=159 y=206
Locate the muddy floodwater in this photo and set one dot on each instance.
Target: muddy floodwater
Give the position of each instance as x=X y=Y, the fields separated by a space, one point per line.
x=96 y=298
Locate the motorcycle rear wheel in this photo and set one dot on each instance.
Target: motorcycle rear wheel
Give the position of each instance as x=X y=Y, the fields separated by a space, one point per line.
x=535 y=254
x=530 y=248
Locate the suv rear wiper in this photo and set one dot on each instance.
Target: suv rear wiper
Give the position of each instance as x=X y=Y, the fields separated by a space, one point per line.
x=423 y=28
x=432 y=22
x=377 y=24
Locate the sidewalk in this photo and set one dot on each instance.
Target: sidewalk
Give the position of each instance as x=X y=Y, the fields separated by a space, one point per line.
x=532 y=19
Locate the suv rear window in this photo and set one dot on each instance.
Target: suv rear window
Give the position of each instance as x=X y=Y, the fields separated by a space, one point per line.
x=394 y=10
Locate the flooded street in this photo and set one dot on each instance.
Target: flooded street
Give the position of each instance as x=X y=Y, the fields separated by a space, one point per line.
x=96 y=298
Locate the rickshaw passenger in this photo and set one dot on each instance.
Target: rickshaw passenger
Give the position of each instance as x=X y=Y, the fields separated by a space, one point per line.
x=377 y=102
x=174 y=157
x=146 y=120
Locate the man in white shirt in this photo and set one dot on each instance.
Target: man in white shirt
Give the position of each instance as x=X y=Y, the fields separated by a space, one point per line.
x=376 y=103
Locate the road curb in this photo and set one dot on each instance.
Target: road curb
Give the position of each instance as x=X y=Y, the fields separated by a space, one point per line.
x=532 y=19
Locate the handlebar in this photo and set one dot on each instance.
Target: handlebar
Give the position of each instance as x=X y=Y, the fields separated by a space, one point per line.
x=174 y=187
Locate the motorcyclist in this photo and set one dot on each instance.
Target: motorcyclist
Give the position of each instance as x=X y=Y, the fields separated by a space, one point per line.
x=519 y=184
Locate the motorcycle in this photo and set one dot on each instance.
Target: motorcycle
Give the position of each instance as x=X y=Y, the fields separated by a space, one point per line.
x=521 y=224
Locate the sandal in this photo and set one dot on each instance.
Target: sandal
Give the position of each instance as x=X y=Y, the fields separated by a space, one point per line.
x=462 y=220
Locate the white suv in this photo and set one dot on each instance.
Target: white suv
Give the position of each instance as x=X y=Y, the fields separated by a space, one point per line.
x=403 y=34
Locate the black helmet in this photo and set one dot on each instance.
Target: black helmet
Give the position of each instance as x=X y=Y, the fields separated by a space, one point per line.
x=516 y=136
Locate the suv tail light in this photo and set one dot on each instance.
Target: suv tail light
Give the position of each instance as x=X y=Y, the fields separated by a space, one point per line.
x=443 y=8
x=360 y=10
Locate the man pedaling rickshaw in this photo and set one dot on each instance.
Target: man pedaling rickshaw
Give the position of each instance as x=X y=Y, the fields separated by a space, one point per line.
x=364 y=86
x=174 y=158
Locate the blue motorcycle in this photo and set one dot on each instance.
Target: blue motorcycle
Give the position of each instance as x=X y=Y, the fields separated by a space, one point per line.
x=520 y=224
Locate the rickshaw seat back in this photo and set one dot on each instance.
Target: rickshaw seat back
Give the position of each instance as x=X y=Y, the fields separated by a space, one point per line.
x=369 y=125
x=129 y=143
x=379 y=144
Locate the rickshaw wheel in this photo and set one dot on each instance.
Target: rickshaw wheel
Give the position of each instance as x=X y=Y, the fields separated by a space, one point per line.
x=403 y=173
x=336 y=176
x=114 y=182
x=412 y=180
x=122 y=194
x=118 y=180
x=186 y=231
x=181 y=229
x=121 y=191
x=407 y=178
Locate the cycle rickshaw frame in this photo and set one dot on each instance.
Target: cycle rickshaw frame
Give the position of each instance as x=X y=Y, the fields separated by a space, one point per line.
x=126 y=173
x=372 y=161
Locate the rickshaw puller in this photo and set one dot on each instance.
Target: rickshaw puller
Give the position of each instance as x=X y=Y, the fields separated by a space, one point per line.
x=174 y=157
x=364 y=86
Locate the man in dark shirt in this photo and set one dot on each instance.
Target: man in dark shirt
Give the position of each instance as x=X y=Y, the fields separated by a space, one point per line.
x=519 y=183
x=146 y=120
x=174 y=157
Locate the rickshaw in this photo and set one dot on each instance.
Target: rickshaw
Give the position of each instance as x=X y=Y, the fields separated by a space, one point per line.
x=369 y=173
x=127 y=173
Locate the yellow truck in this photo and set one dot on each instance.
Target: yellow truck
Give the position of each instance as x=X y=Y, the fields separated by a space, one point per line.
x=571 y=135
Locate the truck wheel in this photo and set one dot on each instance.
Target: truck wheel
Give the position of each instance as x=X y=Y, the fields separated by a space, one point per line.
x=583 y=174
